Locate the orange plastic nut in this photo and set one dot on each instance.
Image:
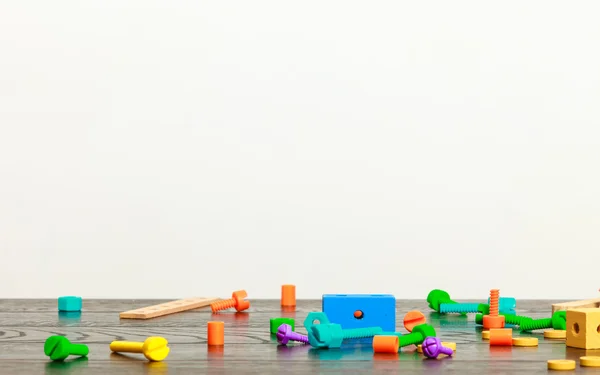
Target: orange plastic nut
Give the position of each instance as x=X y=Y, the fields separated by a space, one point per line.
x=501 y=337
x=216 y=333
x=288 y=295
x=491 y=321
x=413 y=318
x=386 y=344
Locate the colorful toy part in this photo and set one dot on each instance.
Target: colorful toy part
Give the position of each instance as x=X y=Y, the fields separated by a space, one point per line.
x=324 y=334
x=276 y=322
x=432 y=347
x=285 y=333
x=153 y=348
x=69 y=303
x=508 y=319
x=501 y=337
x=58 y=348
x=583 y=328
x=508 y=305
x=216 y=333
x=558 y=321
x=237 y=301
x=418 y=335
x=413 y=318
x=494 y=320
x=288 y=295
x=439 y=300
x=386 y=344
x=361 y=310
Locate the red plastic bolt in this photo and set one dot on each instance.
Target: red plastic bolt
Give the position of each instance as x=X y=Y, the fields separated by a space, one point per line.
x=237 y=301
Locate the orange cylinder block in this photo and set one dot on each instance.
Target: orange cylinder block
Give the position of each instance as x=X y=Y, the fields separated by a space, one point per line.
x=501 y=337
x=386 y=344
x=216 y=333
x=288 y=295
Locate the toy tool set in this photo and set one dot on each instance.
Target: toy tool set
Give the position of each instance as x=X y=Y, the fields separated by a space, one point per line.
x=369 y=320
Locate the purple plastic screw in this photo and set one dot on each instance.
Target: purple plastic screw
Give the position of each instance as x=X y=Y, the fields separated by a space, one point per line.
x=285 y=334
x=432 y=347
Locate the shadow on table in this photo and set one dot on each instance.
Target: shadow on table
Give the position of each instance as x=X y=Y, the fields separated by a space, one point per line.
x=66 y=367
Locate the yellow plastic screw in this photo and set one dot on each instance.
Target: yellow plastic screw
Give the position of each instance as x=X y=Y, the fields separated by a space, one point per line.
x=153 y=348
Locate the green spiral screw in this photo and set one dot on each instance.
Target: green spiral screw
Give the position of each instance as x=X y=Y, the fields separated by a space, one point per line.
x=558 y=321
x=418 y=335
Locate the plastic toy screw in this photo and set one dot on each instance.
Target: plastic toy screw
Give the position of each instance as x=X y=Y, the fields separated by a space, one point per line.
x=58 y=348
x=236 y=301
x=329 y=335
x=432 y=347
x=418 y=335
x=439 y=300
x=153 y=348
x=493 y=319
x=558 y=321
x=437 y=297
x=285 y=334
x=508 y=319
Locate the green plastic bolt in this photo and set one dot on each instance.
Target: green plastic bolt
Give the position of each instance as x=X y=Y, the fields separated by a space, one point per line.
x=418 y=335
x=437 y=297
x=325 y=334
x=558 y=321
x=58 y=348
x=508 y=319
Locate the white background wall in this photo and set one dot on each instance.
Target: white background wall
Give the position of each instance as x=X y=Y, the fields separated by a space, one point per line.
x=192 y=148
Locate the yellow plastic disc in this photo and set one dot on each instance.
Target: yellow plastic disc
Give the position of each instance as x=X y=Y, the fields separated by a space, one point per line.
x=555 y=334
x=451 y=345
x=485 y=335
x=590 y=361
x=525 y=341
x=561 y=364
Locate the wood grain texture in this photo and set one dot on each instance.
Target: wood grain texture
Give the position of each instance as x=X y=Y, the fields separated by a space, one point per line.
x=167 y=308
x=582 y=304
x=249 y=347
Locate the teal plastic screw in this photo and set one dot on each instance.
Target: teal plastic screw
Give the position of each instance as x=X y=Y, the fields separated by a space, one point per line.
x=325 y=334
x=437 y=297
x=558 y=321
x=508 y=319
x=58 y=348
x=418 y=335
x=462 y=307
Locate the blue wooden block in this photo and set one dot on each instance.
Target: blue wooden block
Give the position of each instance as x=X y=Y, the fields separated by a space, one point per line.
x=69 y=303
x=372 y=310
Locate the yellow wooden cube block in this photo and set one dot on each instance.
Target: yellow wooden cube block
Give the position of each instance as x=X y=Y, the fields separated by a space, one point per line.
x=583 y=328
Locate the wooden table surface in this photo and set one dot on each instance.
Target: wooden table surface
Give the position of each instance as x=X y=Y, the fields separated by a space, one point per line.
x=249 y=347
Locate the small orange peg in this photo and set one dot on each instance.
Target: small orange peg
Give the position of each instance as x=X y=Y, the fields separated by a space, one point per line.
x=216 y=333
x=386 y=344
x=501 y=337
x=288 y=295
